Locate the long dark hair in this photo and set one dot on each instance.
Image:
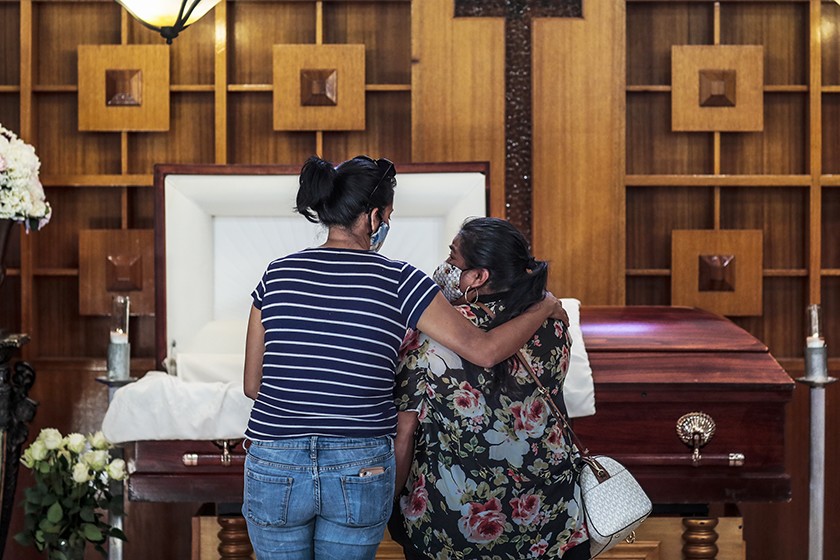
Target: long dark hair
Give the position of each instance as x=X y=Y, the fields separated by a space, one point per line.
x=515 y=275
x=335 y=196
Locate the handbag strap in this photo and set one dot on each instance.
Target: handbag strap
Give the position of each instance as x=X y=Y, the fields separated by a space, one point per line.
x=584 y=452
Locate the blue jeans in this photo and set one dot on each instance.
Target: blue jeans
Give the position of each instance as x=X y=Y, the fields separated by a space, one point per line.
x=318 y=497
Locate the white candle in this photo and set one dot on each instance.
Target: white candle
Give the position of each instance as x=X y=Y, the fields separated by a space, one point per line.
x=815 y=341
x=118 y=337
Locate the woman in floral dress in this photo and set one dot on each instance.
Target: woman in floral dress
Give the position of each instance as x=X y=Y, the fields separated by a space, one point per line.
x=491 y=474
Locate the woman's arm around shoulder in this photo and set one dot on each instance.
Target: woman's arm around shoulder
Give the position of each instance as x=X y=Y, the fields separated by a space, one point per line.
x=446 y=325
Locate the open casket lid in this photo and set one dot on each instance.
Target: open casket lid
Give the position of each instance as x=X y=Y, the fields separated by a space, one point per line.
x=218 y=226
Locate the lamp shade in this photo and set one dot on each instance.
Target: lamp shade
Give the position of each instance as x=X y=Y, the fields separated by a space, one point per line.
x=169 y=17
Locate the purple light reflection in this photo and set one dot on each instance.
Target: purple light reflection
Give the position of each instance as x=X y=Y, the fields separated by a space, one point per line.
x=623 y=328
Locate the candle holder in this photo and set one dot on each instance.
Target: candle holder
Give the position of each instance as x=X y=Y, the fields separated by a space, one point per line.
x=816 y=377
x=119 y=349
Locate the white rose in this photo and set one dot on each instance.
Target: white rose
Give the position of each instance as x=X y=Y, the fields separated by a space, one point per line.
x=75 y=442
x=96 y=460
x=98 y=441
x=116 y=469
x=51 y=437
x=38 y=450
x=27 y=459
x=2 y=163
x=81 y=473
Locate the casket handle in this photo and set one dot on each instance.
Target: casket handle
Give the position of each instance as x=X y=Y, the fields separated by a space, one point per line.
x=225 y=459
x=707 y=460
x=696 y=429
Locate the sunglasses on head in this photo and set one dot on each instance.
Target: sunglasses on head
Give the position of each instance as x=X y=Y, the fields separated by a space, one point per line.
x=385 y=166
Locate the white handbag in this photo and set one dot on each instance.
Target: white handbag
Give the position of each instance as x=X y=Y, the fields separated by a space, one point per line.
x=613 y=502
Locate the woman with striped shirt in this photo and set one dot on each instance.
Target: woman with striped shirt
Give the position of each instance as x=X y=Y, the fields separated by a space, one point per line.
x=321 y=354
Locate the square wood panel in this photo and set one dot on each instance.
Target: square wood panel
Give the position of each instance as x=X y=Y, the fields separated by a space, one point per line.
x=295 y=87
x=123 y=87
x=717 y=88
x=699 y=277
x=116 y=261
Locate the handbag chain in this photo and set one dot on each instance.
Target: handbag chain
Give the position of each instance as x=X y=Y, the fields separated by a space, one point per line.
x=600 y=472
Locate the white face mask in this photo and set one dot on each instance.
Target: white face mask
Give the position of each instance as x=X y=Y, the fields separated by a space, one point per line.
x=448 y=277
x=377 y=238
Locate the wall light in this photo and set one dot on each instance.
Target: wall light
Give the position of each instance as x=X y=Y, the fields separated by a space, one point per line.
x=168 y=17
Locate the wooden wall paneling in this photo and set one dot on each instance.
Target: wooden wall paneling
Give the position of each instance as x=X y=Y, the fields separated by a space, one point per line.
x=651 y=215
x=61 y=27
x=831 y=230
x=782 y=148
x=831 y=131
x=458 y=91
x=781 y=213
x=746 y=64
x=63 y=149
x=652 y=148
x=815 y=151
x=383 y=28
x=191 y=137
x=830 y=306
x=9 y=44
x=63 y=333
x=220 y=81
x=785 y=299
x=780 y=27
x=10 y=303
x=152 y=113
x=141 y=208
x=57 y=245
x=578 y=140
x=830 y=53
x=191 y=54
x=142 y=331
x=348 y=63
x=649 y=290
x=651 y=31
x=388 y=132
x=268 y=23
x=95 y=273
x=10 y=110
x=250 y=115
x=27 y=132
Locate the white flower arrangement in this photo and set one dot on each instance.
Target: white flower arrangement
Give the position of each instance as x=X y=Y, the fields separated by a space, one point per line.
x=71 y=492
x=22 y=196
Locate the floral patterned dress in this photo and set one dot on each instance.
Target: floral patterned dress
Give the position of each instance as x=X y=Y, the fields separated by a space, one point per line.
x=492 y=475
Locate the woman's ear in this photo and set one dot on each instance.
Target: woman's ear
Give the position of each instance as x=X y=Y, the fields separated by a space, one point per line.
x=481 y=279
x=372 y=217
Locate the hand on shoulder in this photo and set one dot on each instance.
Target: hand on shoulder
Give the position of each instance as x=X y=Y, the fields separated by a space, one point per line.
x=555 y=308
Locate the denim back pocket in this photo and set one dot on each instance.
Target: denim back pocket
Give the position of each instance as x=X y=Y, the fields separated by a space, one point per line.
x=368 y=498
x=267 y=498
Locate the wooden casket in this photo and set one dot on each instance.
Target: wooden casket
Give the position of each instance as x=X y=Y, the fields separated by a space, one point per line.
x=652 y=366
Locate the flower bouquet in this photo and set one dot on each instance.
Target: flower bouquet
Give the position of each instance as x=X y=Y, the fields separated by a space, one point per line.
x=65 y=508
x=21 y=193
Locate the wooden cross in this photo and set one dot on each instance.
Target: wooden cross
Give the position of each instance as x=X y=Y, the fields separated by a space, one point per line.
x=518 y=116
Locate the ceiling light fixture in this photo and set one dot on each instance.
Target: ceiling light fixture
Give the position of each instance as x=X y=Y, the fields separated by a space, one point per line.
x=168 y=17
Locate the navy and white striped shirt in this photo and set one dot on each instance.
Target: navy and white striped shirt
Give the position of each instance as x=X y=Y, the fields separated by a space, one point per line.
x=334 y=320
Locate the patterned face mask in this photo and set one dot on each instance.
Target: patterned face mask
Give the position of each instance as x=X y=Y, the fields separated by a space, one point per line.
x=377 y=238
x=448 y=277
